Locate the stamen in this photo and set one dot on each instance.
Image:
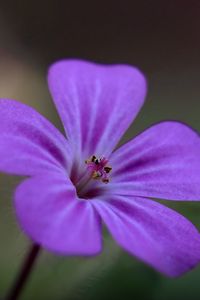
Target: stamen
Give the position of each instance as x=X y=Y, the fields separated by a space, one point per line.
x=107 y=169
x=98 y=168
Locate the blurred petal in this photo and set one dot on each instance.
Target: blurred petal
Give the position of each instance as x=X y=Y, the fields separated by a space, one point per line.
x=163 y=162
x=29 y=144
x=55 y=218
x=152 y=232
x=96 y=103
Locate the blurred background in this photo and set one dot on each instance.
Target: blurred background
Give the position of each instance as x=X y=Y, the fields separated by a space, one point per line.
x=162 y=38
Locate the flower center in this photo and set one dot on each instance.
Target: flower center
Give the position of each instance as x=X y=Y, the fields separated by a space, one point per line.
x=97 y=169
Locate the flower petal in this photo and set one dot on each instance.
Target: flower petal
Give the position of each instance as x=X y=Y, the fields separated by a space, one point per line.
x=96 y=103
x=152 y=232
x=162 y=162
x=29 y=144
x=54 y=218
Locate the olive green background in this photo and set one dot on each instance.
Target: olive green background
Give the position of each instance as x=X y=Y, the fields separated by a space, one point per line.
x=162 y=38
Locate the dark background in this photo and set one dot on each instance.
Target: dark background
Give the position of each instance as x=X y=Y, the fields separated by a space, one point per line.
x=162 y=38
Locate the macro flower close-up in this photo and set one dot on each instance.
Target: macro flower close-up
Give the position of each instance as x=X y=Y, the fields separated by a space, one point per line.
x=78 y=183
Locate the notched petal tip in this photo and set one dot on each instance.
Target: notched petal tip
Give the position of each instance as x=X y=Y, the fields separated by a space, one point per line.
x=162 y=162
x=93 y=100
x=53 y=217
x=156 y=234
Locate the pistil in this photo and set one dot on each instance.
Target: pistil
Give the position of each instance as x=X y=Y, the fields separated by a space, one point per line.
x=98 y=170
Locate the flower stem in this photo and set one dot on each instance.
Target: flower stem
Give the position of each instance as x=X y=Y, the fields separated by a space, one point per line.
x=24 y=273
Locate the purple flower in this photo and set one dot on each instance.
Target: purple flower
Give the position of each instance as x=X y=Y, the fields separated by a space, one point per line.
x=77 y=183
